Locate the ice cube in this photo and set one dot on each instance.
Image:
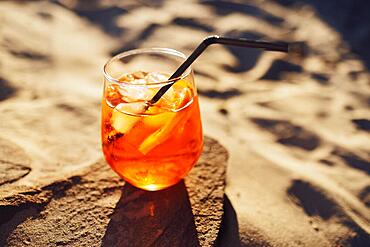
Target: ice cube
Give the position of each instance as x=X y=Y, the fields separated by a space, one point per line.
x=112 y=95
x=155 y=77
x=134 y=78
x=126 y=78
x=139 y=74
x=136 y=93
x=126 y=115
x=134 y=108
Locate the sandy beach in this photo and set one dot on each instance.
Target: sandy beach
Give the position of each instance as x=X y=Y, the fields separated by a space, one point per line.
x=296 y=129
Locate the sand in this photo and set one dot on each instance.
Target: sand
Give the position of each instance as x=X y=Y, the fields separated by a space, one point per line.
x=297 y=131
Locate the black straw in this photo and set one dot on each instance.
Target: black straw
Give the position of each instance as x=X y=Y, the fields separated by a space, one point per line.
x=269 y=46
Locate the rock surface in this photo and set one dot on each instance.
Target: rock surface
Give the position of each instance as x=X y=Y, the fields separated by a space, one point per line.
x=14 y=163
x=96 y=208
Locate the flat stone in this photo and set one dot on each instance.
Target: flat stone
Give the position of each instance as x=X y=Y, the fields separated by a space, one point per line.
x=97 y=208
x=12 y=172
x=14 y=163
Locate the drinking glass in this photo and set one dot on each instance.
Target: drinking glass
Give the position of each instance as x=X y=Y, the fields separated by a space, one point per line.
x=151 y=146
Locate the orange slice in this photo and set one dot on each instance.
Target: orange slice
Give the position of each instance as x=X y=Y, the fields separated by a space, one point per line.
x=158 y=120
x=163 y=133
x=168 y=121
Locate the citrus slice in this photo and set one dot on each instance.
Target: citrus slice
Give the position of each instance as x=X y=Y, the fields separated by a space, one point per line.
x=158 y=120
x=163 y=133
x=167 y=122
x=177 y=96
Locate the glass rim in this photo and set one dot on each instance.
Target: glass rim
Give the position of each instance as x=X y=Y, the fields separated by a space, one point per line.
x=153 y=50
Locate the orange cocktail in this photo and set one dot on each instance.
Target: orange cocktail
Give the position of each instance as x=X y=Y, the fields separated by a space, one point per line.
x=150 y=146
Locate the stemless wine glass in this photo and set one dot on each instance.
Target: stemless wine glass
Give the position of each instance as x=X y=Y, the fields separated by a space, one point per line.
x=155 y=146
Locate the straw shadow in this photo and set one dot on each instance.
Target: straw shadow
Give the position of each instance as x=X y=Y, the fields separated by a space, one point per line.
x=6 y=91
x=160 y=218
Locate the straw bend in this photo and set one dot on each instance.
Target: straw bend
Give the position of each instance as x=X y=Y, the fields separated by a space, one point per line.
x=215 y=39
x=259 y=44
x=211 y=40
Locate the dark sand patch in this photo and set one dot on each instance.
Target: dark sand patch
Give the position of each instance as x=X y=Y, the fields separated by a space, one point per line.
x=362 y=124
x=289 y=134
x=212 y=93
x=353 y=160
x=6 y=91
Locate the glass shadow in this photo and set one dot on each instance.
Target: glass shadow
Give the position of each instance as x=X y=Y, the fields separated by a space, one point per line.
x=145 y=218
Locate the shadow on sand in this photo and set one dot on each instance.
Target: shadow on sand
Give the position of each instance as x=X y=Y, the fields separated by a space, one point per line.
x=162 y=218
x=350 y=18
x=6 y=91
x=229 y=232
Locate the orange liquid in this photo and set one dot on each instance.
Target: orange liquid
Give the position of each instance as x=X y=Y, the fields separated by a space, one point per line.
x=159 y=149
